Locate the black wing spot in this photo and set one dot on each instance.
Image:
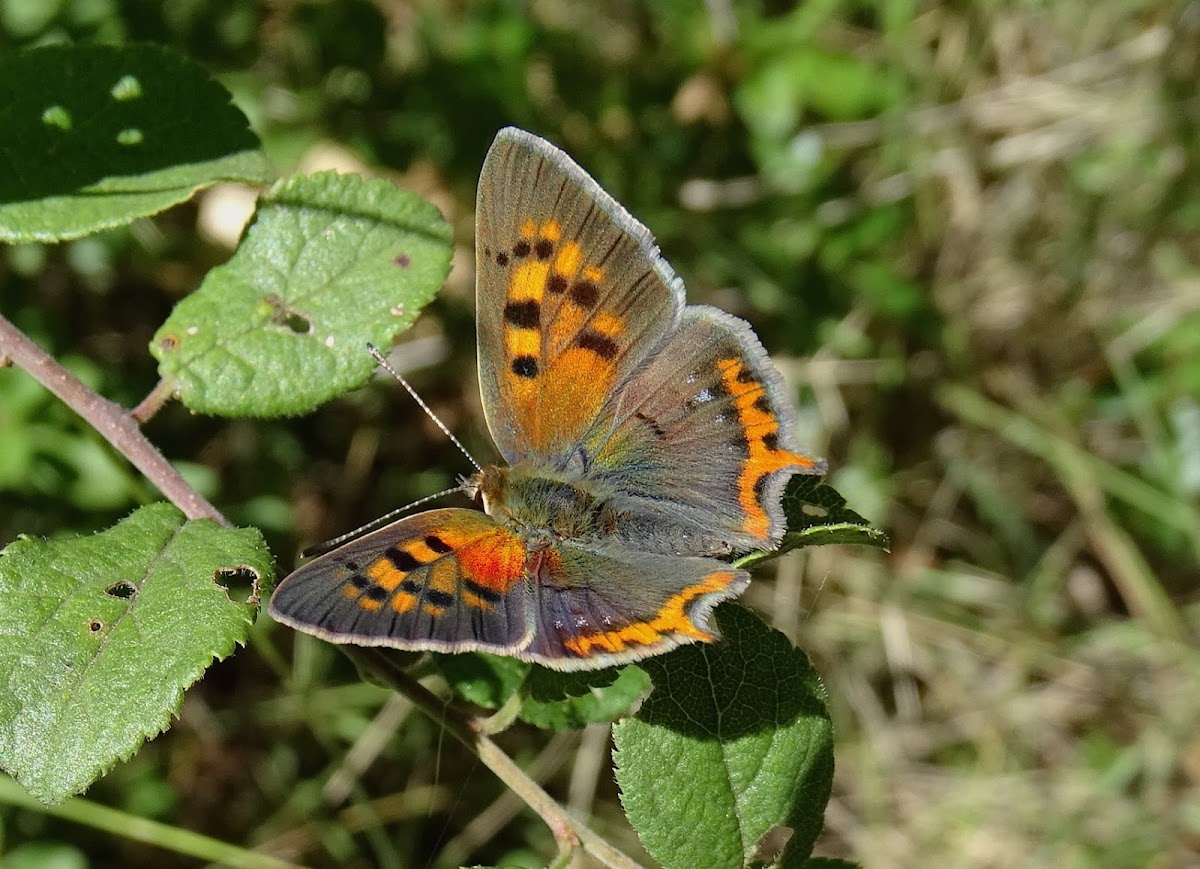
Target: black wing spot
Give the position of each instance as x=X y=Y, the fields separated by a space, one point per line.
x=525 y=366
x=746 y=376
x=404 y=561
x=521 y=249
x=376 y=592
x=763 y=406
x=601 y=345
x=544 y=248
x=771 y=440
x=360 y=582
x=556 y=284
x=524 y=315
x=585 y=293
x=501 y=258
x=438 y=545
x=482 y=591
x=438 y=598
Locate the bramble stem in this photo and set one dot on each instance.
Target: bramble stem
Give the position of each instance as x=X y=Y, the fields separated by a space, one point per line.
x=111 y=420
x=470 y=731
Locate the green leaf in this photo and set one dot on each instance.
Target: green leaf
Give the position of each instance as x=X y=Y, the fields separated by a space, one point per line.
x=483 y=679
x=568 y=701
x=100 y=635
x=553 y=700
x=93 y=136
x=817 y=515
x=733 y=742
x=331 y=263
x=552 y=686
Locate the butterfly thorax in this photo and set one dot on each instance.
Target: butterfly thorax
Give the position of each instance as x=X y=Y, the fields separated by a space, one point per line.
x=534 y=499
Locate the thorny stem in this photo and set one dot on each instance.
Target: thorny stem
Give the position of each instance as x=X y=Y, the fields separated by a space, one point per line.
x=112 y=421
x=568 y=832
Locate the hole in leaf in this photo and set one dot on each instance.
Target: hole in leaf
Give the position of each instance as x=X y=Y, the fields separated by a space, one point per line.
x=169 y=342
x=121 y=589
x=57 y=116
x=130 y=136
x=240 y=583
x=283 y=315
x=126 y=88
x=770 y=846
x=95 y=626
x=814 y=510
x=403 y=260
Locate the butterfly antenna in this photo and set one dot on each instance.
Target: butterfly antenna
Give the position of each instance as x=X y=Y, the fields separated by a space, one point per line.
x=329 y=545
x=383 y=363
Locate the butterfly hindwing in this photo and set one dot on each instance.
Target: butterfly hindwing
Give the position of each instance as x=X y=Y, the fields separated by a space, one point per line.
x=700 y=441
x=603 y=604
x=571 y=297
x=444 y=580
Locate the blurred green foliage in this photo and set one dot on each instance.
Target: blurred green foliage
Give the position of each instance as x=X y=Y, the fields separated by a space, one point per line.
x=993 y=198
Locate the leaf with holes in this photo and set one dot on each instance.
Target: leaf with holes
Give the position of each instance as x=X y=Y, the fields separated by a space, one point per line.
x=817 y=515
x=93 y=136
x=730 y=759
x=330 y=263
x=100 y=635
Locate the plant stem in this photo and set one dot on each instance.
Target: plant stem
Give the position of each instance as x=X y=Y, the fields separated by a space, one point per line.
x=153 y=402
x=111 y=420
x=568 y=831
x=129 y=826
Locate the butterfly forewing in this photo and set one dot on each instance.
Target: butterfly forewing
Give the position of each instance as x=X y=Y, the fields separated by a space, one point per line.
x=442 y=580
x=571 y=296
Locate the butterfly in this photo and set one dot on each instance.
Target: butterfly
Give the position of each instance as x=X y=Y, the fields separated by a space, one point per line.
x=644 y=440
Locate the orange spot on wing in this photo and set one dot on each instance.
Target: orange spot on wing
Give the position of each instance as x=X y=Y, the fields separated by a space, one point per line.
x=403 y=602
x=369 y=603
x=384 y=574
x=443 y=576
x=476 y=602
x=523 y=342
x=607 y=324
x=569 y=258
x=758 y=425
x=528 y=228
x=595 y=274
x=671 y=619
x=528 y=281
x=495 y=560
x=552 y=230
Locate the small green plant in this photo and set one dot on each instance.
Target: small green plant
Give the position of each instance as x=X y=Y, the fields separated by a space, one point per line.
x=727 y=762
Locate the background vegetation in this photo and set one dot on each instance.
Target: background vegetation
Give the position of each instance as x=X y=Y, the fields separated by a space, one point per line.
x=968 y=233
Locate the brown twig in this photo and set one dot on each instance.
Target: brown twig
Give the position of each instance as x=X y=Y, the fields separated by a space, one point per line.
x=111 y=420
x=470 y=731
